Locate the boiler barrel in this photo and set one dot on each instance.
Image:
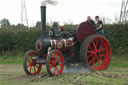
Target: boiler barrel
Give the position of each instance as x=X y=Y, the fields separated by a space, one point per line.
x=62 y=45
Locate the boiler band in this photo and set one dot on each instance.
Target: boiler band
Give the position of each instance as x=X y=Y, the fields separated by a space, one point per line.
x=61 y=44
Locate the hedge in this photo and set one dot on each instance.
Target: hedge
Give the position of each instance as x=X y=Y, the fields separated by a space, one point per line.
x=24 y=39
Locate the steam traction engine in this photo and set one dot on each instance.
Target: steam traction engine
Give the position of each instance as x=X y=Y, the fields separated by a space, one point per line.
x=82 y=46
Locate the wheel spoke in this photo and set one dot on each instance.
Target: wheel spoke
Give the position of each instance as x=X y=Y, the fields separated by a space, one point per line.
x=52 y=57
x=103 y=65
x=57 y=69
x=102 y=55
x=90 y=47
x=36 y=66
x=34 y=69
x=58 y=60
x=100 y=60
x=60 y=65
x=90 y=55
x=93 y=63
x=92 y=60
x=94 y=45
x=30 y=69
x=50 y=61
x=31 y=55
x=28 y=65
x=98 y=63
x=54 y=69
x=91 y=52
x=102 y=50
x=28 y=60
x=56 y=55
x=100 y=46
x=51 y=66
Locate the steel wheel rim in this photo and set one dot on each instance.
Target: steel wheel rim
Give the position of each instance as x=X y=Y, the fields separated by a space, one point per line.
x=98 y=53
x=56 y=63
x=33 y=69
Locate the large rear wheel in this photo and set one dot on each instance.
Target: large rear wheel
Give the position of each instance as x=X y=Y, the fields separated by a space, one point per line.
x=95 y=52
x=55 y=63
x=29 y=67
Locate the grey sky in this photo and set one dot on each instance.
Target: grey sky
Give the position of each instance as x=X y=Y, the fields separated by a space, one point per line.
x=65 y=11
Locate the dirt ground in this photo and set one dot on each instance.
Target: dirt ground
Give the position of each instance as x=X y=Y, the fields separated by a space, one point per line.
x=13 y=74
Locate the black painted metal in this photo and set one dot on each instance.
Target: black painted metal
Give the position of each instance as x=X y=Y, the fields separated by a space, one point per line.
x=43 y=21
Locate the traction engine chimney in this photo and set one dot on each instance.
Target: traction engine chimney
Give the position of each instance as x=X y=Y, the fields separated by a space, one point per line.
x=43 y=19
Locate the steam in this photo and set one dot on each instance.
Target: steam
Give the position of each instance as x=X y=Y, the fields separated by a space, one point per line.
x=51 y=2
x=76 y=69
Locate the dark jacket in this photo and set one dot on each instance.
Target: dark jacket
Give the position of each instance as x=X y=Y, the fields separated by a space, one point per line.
x=92 y=23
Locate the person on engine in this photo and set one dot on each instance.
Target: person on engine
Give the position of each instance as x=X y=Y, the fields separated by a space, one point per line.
x=55 y=31
x=99 y=26
x=90 y=21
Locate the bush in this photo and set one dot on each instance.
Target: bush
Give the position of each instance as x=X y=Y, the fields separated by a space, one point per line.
x=117 y=35
x=18 y=40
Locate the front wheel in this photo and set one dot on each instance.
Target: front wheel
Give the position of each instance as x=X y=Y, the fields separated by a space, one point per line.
x=29 y=67
x=55 y=63
x=95 y=52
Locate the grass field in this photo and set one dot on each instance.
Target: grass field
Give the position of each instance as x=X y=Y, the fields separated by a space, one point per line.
x=12 y=73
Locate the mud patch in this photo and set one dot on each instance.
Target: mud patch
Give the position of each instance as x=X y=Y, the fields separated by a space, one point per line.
x=75 y=75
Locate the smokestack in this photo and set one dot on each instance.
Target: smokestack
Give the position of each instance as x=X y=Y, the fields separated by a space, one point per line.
x=43 y=18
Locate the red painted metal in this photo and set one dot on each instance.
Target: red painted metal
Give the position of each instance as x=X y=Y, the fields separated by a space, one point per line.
x=62 y=45
x=73 y=54
x=62 y=29
x=56 y=63
x=98 y=54
x=83 y=31
x=33 y=69
x=40 y=48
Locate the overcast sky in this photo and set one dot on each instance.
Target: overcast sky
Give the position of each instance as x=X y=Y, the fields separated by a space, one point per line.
x=74 y=11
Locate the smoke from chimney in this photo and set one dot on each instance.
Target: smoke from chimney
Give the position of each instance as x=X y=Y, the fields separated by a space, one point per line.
x=43 y=15
x=50 y=2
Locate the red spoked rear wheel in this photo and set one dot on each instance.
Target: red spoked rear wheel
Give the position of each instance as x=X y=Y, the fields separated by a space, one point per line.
x=96 y=52
x=29 y=67
x=55 y=63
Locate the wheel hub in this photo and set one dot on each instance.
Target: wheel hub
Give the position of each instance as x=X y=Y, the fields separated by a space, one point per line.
x=54 y=63
x=57 y=63
x=31 y=64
